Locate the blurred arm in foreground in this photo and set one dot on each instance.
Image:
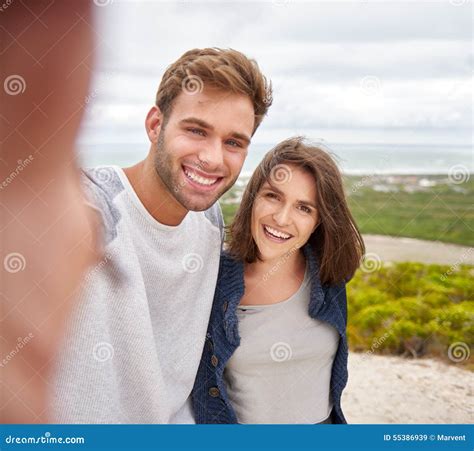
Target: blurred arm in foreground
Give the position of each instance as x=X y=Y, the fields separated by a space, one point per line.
x=48 y=235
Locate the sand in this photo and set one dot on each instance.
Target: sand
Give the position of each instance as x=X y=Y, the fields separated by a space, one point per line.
x=408 y=249
x=389 y=389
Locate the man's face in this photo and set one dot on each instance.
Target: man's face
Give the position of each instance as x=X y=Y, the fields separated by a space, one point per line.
x=203 y=145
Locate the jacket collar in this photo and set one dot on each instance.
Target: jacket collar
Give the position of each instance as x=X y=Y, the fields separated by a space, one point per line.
x=233 y=272
x=317 y=291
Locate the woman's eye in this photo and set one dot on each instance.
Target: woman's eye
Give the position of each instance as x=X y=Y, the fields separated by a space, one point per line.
x=305 y=209
x=271 y=195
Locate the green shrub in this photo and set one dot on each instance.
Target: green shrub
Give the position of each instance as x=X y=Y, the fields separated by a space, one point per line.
x=411 y=309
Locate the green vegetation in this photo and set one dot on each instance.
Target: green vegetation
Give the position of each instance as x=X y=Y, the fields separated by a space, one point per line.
x=413 y=309
x=443 y=212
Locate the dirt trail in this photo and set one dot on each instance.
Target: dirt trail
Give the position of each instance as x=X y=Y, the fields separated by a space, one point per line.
x=408 y=249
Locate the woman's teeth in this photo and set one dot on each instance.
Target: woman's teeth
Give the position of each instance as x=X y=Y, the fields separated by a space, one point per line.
x=198 y=179
x=277 y=234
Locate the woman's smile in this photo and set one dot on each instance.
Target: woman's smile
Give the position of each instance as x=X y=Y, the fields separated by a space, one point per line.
x=275 y=235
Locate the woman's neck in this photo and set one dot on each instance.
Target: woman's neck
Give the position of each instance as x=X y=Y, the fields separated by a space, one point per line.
x=293 y=262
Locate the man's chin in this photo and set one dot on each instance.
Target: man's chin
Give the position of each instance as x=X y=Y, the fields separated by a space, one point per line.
x=198 y=204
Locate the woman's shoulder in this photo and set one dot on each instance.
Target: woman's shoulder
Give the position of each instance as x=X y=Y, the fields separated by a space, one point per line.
x=231 y=273
x=229 y=262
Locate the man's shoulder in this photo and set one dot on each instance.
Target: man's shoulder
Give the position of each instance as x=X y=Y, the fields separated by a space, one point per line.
x=104 y=179
x=101 y=185
x=214 y=216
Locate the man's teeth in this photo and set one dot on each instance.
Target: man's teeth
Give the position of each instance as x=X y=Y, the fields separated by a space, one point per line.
x=276 y=233
x=197 y=178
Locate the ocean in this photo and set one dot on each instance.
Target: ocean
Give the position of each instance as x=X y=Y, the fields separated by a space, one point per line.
x=353 y=159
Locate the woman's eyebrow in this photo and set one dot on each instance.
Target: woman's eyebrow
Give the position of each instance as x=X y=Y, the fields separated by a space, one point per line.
x=308 y=203
x=272 y=187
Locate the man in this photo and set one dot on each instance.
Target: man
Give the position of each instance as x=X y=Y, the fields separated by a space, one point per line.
x=134 y=343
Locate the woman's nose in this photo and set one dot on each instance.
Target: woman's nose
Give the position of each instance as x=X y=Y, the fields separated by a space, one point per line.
x=282 y=216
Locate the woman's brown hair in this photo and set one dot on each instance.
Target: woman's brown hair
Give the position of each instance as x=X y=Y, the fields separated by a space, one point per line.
x=337 y=242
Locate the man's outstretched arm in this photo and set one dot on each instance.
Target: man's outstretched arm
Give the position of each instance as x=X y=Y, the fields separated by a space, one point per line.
x=48 y=235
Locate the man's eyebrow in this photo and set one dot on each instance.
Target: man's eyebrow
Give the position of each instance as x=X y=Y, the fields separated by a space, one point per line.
x=241 y=136
x=272 y=187
x=197 y=121
x=204 y=124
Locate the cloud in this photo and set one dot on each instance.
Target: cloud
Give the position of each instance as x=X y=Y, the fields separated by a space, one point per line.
x=334 y=65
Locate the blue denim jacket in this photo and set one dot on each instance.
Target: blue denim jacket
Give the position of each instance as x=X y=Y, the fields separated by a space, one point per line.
x=327 y=303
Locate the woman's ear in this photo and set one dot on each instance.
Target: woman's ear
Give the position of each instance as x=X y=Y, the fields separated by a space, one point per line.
x=153 y=123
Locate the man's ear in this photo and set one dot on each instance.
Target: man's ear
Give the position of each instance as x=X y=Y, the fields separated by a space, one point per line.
x=153 y=123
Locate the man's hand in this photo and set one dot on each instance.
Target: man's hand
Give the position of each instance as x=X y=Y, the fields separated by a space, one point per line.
x=48 y=235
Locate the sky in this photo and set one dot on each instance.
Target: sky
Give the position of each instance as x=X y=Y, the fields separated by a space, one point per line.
x=344 y=72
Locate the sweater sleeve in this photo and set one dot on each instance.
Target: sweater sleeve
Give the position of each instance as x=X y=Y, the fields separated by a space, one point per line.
x=214 y=215
x=99 y=197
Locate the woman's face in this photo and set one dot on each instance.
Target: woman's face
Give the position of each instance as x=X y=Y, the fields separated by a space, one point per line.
x=284 y=213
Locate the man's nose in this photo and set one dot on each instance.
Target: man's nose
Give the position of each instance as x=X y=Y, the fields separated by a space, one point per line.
x=212 y=156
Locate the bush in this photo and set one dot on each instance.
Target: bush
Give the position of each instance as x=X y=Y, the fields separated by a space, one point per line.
x=411 y=309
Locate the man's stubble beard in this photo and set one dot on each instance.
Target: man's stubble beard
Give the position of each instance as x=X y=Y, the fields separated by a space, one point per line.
x=163 y=163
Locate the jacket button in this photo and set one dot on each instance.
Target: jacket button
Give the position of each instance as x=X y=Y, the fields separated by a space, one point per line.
x=214 y=361
x=224 y=306
x=214 y=392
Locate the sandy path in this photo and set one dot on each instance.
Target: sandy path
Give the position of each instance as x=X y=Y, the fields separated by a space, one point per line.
x=408 y=249
x=386 y=389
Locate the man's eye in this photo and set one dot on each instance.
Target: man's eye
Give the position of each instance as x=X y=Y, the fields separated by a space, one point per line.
x=197 y=131
x=233 y=143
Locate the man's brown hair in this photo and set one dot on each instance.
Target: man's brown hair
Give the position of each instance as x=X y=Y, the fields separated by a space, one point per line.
x=336 y=241
x=225 y=69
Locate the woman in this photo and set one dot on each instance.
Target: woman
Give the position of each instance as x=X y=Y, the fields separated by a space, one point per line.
x=276 y=348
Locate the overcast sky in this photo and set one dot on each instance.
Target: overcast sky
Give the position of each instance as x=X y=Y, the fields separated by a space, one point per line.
x=351 y=72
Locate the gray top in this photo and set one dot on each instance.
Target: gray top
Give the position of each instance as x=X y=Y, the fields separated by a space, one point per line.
x=283 y=352
x=135 y=338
